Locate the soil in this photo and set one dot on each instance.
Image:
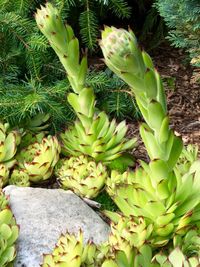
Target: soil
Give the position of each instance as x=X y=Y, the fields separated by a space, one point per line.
x=183 y=97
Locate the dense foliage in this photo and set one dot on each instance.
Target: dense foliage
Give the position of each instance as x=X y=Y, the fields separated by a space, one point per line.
x=88 y=14
x=21 y=103
x=183 y=19
x=25 y=53
x=31 y=78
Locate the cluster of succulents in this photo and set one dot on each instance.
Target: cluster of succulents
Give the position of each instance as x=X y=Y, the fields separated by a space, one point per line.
x=162 y=204
x=158 y=219
x=92 y=141
x=33 y=157
x=159 y=201
x=31 y=161
x=26 y=157
x=71 y=251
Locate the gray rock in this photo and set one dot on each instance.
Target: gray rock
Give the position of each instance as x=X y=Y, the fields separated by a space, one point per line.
x=43 y=214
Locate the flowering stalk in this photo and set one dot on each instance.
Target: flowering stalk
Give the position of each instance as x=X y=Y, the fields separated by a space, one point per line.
x=65 y=44
x=124 y=57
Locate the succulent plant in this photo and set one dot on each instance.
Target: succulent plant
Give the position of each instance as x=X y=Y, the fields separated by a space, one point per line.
x=153 y=191
x=19 y=177
x=70 y=251
x=93 y=134
x=64 y=43
x=141 y=257
x=82 y=175
x=39 y=158
x=9 y=232
x=170 y=204
x=9 y=140
x=174 y=259
x=128 y=233
x=187 y=157
x=123 y=56
x=37 y=123
x=4 y=174
x=189 y=243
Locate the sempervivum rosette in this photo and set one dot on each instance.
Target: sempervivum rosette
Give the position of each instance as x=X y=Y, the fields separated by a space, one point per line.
x=19 y=177
x=82 y=175
x=39 y=158
x=71 y=251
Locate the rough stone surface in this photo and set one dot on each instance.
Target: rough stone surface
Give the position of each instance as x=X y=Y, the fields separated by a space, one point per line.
x=43 y=214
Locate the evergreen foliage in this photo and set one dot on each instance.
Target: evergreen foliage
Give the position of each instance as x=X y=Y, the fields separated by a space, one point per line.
x=20 y=102
x=24 y=52
x=183 y=19
x=113 y=95
x=153 y=29
x=89 y=13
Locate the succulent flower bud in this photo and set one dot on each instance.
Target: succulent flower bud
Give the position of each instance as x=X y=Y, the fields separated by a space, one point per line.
x=119 y=41
x=39 y=158
x=121 y=51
